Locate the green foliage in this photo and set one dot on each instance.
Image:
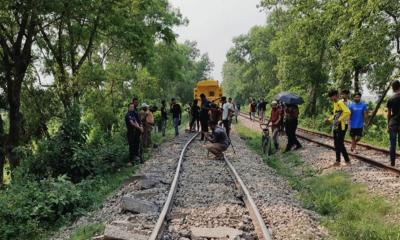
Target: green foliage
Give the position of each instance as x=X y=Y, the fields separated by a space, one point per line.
x=314 y=46
x=69 y=152
x=177 y=68
x=28 y=207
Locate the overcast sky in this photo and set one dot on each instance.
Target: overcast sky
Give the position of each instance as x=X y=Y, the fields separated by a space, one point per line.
x=214 y=23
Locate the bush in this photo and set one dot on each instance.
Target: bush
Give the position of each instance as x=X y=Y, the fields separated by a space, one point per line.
x=28 y=208
x=69 y=153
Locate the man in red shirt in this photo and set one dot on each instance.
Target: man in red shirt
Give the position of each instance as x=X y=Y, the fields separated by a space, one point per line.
x=275 y=120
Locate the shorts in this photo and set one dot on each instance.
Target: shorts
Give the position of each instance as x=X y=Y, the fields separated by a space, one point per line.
x=356 y=132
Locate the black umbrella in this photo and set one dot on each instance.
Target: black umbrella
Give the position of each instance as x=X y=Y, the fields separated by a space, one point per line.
x=289 y=98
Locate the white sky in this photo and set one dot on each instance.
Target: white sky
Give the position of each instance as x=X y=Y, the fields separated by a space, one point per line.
x=214 y=23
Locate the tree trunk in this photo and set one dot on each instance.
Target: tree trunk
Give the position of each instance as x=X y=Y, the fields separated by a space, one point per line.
x=15 y=119
x=2 y=153
x=311 y=109
x=357 y=72
x=378 y=105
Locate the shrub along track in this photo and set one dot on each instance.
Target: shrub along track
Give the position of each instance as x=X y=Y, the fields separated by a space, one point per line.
x=377 y=179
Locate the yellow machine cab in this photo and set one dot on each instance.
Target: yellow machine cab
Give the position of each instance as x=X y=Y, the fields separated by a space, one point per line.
x=210 y=88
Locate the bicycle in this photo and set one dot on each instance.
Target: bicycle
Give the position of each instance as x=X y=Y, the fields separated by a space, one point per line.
x=266 y=139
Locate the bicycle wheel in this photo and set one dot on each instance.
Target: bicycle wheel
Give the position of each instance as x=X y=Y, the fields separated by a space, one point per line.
x=263 y=144
x=267 y=148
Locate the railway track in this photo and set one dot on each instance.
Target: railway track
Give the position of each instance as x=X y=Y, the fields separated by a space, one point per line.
x=208 y=199
x=372 y=155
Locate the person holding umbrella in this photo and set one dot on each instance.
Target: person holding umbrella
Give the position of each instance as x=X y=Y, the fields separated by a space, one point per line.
x=291 y=118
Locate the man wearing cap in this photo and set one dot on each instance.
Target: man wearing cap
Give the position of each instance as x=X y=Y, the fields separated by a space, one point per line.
x=275 y=121
x=219 y=141
x=148 y=121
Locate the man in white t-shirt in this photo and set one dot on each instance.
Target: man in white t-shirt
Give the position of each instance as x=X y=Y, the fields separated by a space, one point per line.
x=227 y=112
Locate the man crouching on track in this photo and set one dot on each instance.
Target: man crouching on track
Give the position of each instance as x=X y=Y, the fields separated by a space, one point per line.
x=219 y=141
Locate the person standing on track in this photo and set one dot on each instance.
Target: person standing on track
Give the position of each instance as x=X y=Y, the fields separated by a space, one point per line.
x=134 y=130
x=262 y=106
x=275 y=121
x=393 y=117
x=227 y=111
x=164 y=117
x=195 y=112
x=253 y=109
x=204 y=117
x=219 y=141
x=291 y=122
x=176 y=111
x=237 y=110
x=358 y=116
x=340 y=113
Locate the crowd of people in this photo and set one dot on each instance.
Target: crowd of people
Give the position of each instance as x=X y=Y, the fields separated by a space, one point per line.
x=353 y=116
x=205 y=115
x=140 y=123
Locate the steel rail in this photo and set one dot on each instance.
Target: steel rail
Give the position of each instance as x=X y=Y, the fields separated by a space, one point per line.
x=368 y=146
x=159 y=227
x=358 y=156
x=259 y=225
x=365 y=145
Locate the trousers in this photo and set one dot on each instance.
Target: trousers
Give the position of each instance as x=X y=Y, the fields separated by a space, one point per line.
x=340 y=148
x=394 y=140
x=134 y=144
x=291 y=127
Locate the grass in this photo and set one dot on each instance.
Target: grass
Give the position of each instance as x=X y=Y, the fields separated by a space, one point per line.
x=349 y=211
x=88 y=231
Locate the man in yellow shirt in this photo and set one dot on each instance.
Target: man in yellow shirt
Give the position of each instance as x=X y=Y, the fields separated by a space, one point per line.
x=340 y=113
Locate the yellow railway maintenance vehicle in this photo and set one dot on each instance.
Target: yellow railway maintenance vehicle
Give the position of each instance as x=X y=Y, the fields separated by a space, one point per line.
x=210 y=88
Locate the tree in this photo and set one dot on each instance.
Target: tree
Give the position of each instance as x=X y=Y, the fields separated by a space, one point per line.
x=18 y=28
x=71 y=33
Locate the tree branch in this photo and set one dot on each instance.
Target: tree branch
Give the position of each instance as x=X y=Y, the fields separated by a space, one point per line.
x=90 y=42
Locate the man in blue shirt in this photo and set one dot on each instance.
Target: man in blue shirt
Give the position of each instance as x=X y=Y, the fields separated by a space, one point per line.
x=134 y=129
x=359 y=115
